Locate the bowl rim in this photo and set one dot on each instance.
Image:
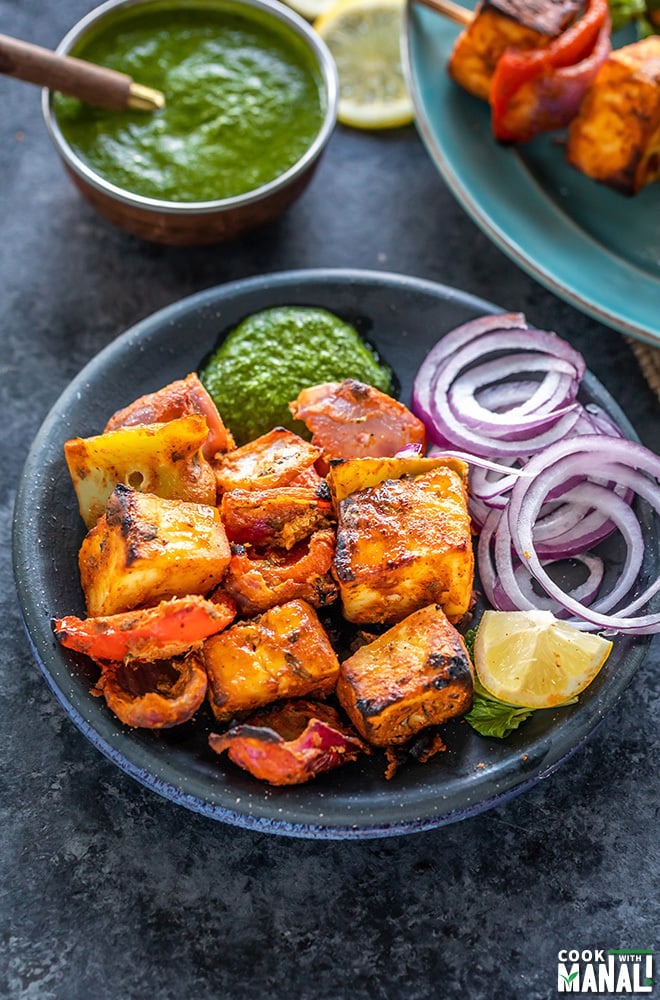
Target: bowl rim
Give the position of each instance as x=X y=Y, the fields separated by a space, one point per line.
x=328 y=87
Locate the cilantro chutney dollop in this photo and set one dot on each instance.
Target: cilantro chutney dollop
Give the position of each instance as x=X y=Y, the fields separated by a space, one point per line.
x=244 y=101
x=272 y=355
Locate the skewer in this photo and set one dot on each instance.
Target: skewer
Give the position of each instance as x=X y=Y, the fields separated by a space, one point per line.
x=454 y=11
x=104 y=88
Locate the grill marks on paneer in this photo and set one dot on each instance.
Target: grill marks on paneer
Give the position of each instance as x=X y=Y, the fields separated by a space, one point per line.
x=403 y=544
x=145 y=549
x=417 y=674
x=284 y=653
x=164 y=578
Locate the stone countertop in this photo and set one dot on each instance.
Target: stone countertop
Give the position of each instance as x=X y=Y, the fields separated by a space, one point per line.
x=111 y=892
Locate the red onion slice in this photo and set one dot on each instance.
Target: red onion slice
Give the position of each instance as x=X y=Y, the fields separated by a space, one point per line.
x=554 y=392
x=585 y=592
x=443 y=425
x=461 y=335
x=506 y=395
x=476 y=398
x=607 y=457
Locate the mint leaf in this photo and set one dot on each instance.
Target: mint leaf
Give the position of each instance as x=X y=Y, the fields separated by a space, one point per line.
x=492 y=717
x=488 y=715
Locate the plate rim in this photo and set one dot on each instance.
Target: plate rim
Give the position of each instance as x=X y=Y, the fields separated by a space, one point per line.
x=126 y=341
x=615 y=317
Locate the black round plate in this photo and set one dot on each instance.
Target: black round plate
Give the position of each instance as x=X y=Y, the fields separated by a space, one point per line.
x=403 y=317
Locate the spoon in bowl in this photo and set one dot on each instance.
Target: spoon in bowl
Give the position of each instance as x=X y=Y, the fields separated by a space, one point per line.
x=97 y=85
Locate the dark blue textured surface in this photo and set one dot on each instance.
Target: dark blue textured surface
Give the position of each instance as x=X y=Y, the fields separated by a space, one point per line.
x=109 y=891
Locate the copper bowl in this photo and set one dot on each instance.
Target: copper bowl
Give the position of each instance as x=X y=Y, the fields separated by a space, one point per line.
x=198 y=223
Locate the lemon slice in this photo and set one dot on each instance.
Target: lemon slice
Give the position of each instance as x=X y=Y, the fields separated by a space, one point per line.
x=533 y=660
x=310 y=9
x=363 y=36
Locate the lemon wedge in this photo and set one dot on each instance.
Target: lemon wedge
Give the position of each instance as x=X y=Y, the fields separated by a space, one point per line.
x=363 y=36
x=533 y=660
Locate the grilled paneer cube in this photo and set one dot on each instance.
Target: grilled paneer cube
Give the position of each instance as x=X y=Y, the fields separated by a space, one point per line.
x=284 y=653
x=272 y=460
x=417 y=674
x=501 y=25
x=165 y=459
x=356 y=474
x=145 y=549
x=404 y=544
x=615 y=138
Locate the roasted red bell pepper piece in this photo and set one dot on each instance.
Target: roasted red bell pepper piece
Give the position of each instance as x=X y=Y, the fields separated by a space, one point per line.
x=168 y=629
x=541 y=90
x=260 y=580
x=157 y=694
x=291 y=744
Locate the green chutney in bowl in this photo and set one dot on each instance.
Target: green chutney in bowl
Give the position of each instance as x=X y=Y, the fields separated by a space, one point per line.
x=250 y=101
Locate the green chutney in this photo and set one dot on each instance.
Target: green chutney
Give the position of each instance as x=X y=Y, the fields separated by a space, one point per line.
x=244 y=101
x=266 y=361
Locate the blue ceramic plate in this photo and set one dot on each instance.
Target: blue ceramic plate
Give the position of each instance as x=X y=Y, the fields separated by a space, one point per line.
x=403 y=317
x=597 y=249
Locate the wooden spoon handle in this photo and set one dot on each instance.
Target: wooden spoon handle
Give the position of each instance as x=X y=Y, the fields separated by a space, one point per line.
x=104 y=88
x=454 y=11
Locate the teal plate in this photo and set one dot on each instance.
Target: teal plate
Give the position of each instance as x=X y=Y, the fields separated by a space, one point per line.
x=595 y=248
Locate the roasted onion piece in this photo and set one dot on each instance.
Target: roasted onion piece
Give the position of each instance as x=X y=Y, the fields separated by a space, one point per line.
x=290 y=744
x=154 y=695
x=352 y=420
x=274 y=459
x=178 y=399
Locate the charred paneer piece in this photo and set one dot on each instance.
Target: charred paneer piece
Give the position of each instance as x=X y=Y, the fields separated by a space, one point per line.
x=274 y=459
x=504 y=24
x=145 y=549
x=403 y=544
x=417 y=674
x=615 y=138
x=284 y=653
